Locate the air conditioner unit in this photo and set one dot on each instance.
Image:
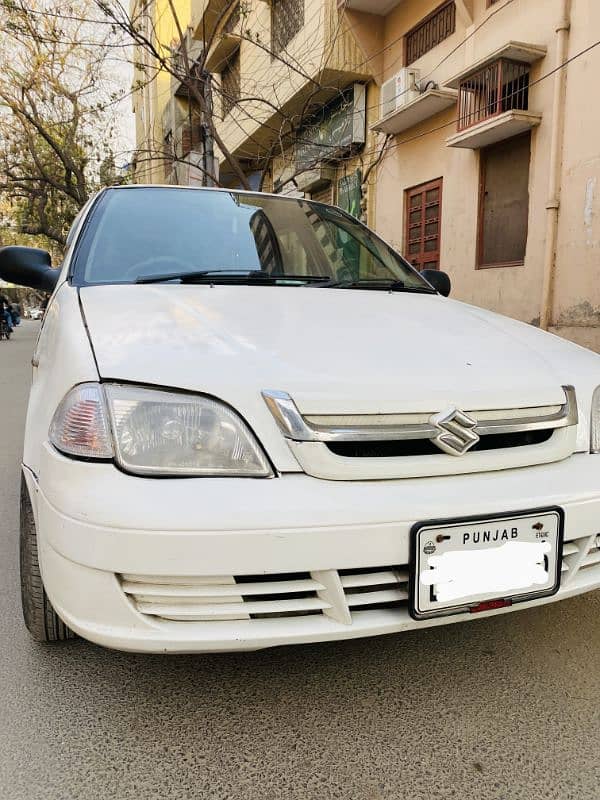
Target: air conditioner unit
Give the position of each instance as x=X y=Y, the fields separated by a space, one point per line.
x=399 y=90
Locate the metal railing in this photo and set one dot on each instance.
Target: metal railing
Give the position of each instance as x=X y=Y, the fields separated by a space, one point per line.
x=498 y=87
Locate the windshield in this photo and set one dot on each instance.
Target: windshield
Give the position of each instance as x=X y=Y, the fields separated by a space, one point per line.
x=139 y=233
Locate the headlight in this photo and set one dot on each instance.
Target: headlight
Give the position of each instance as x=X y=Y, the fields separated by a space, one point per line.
x=595 y=422
x=159 y=433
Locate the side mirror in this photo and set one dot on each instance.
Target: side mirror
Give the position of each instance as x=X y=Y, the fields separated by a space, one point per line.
x=439 y=280
x=28 y=266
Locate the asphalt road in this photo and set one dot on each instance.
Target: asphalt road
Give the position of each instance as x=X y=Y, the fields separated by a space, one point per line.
x=499 y=709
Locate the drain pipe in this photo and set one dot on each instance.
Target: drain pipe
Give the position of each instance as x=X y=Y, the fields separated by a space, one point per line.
x=556 y=155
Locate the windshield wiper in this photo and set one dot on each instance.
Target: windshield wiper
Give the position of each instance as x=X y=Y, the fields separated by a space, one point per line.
x=230 y=276
x=384 y=284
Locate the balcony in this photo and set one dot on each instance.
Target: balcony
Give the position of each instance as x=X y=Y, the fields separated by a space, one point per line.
x=426 y=105
x=493 y=98
x=226 y=42
x=379 y=7
x=180 y=81
x=207 y=15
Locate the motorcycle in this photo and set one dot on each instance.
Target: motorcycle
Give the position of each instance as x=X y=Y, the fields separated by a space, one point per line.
x=5 y=330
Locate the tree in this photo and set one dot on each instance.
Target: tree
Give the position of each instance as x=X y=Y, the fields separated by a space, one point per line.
x=167 y=48
x=56 y=91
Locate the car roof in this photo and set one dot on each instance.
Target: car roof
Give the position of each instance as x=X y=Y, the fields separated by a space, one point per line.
x=221 y=189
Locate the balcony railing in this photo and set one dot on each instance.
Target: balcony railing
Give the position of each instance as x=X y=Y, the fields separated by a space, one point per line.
x=496 y=88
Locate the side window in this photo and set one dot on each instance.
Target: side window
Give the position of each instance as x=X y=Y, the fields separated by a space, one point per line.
x=504 y=203
x=423 y=222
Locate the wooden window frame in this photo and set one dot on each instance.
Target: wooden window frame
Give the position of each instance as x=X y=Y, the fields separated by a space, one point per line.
x=420 y=24
x=423 y=188
x=480 y=215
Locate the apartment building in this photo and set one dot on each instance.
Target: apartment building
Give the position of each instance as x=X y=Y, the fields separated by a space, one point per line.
x=492 y=172
x=154 y=99
x=291 y=94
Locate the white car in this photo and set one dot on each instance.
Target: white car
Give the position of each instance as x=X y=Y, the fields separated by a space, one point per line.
x=35 y=313
x=252 y=423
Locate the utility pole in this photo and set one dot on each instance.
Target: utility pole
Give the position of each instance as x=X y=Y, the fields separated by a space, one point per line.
x=210 y=177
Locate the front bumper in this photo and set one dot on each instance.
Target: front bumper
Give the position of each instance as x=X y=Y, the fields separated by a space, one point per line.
x=96 y=524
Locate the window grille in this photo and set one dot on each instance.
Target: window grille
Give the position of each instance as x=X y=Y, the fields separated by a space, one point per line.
x=498 y=87
x=287 y=19
x=430 y=32
x=231 y=83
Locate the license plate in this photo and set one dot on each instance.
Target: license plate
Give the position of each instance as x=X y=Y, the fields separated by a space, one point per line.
x=480 y=563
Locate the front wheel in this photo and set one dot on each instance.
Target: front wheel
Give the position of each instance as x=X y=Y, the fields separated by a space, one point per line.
x=42 y=621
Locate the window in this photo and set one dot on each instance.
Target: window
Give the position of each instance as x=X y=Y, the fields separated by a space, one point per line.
x=287 y=19
x=423 y=224
x=430 y=32
x=504 y=203
x=501 y=86
x=231 y=83
x=191 y=136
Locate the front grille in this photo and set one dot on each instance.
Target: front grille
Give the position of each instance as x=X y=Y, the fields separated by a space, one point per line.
x=374 y=589
x=418 y=444
x=580 y=555
x=336 y=594
x=332 y=593
x=426 y=447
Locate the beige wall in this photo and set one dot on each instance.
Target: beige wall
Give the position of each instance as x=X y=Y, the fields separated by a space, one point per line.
x=577 y=295
x=418 y=155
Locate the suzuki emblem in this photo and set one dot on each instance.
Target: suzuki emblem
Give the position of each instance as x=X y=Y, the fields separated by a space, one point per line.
x=456 y=431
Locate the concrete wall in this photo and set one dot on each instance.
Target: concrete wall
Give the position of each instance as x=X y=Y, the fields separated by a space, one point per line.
x=577 y=293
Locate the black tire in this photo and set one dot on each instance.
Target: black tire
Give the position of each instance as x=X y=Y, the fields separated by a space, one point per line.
x=42 y=621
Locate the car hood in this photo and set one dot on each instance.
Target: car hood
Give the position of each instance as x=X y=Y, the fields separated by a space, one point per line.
x=334 y=351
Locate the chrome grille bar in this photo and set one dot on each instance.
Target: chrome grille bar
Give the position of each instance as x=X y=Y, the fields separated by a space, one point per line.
x=295 y=427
